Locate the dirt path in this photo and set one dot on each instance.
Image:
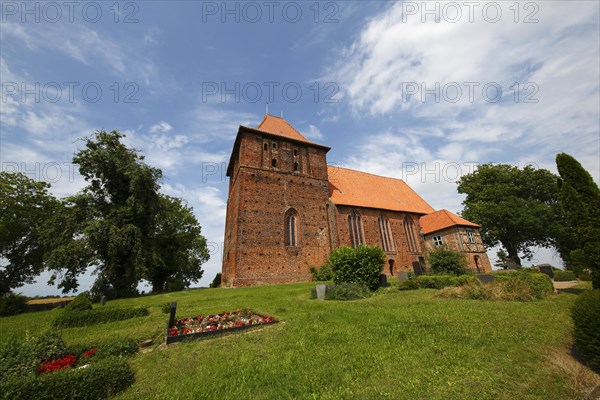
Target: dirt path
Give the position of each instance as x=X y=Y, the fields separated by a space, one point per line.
x=564 y=285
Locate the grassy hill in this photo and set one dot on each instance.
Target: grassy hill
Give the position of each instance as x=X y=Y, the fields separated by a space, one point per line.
x=397 y=345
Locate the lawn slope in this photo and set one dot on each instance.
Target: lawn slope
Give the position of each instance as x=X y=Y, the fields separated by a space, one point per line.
x=397 y=345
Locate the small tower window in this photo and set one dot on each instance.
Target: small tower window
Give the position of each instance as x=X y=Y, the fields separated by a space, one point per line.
x=295 y=153
x=274 y=163
x=265 y=146
x=296 y=167
x=274 y=145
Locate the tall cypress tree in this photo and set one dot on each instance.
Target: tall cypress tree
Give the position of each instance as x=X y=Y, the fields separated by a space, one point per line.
x=580 y=201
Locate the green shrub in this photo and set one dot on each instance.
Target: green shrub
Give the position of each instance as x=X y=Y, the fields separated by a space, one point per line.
x=115 y=347
x=472 y=290
x=166 y=307
x=12 y=304
x=444 y=260
x=586 y=319
x=519 y=286
x=522 y=286
x=97 y=316
x=325 y=273
x=23 y=357
x=216 y=283
x=80 y=303
x=99 y=380
x=361 y=265
x=410 y=284
x=346 y=291
x=562 y=276
x=442 y=281
x=585 y=276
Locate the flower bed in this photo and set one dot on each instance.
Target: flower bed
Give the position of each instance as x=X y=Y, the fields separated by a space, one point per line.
x=207 y=325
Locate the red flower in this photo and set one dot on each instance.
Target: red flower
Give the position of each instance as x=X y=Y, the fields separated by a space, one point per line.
x=89 y=353
x=57 y=365
x=173 y=331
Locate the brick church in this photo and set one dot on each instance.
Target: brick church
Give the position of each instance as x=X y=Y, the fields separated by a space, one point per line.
x=287 y=210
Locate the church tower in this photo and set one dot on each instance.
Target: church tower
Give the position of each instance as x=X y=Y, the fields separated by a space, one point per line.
x=277 y=223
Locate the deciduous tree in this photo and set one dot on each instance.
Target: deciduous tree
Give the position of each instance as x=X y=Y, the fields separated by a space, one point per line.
x=25 y=206
x=516 y=208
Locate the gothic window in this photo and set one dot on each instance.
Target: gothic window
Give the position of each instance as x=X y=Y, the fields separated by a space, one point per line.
x=265 y=146
x=274 y=163
x=291 y=228
x=471 y=236
x=274 y=145
x=386 y=235
x=411 y=236
x=437 y=240
x=355 y=227
x=296 y=167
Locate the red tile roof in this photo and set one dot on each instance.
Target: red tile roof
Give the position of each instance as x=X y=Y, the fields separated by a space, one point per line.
x=280 y=127
x=442 y=219
x=355 y=188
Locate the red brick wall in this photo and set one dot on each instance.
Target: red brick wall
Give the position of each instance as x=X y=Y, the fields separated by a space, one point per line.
x=401 y=256
x=457 y=238
x=259 y=197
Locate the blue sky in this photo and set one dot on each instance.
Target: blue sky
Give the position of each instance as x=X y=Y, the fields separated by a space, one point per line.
x=390 y=89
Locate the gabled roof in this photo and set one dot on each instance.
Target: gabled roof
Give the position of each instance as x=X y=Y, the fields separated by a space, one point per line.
x=441 y=220
x=355 y=188
x=272 y=126
x=280 y=127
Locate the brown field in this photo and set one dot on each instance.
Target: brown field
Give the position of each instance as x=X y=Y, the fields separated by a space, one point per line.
x=50 y=301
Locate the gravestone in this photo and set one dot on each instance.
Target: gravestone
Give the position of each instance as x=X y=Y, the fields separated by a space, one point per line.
x=546 y=269
x=402 y=276
x=172 y=316
x=321 y=289
x=485 y=279
x=103 y=300
x=383 y=281
x=417 y=268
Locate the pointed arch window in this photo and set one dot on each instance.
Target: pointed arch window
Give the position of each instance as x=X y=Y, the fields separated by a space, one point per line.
x=355 y=227
x=386 y=234
x=291 y=228
x=411 y=236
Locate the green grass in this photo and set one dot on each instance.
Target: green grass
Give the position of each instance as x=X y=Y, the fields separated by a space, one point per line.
x=397 y=345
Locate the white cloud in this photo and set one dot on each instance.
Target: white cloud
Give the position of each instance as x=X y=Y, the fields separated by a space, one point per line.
x=559 y=56
x=312 y=132
x=161 y=127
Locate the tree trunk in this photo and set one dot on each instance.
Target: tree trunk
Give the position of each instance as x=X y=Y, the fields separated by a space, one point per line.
x=513 y=257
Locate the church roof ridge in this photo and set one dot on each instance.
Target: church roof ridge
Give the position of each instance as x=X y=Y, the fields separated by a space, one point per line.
x=363 y=189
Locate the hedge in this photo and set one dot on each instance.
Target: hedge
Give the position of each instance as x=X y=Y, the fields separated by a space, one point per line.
x=442 y=281
x=99 y=380
x=13 y=304
x=586 y=319
x=97 y=316
x=517 y=286
x=523 y=286
x=80 y=303
x=563 y=276
x=344 y=291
